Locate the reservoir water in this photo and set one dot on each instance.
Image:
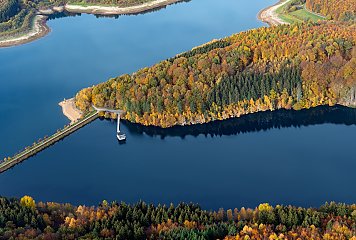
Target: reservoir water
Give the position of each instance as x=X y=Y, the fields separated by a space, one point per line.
x=303 y=158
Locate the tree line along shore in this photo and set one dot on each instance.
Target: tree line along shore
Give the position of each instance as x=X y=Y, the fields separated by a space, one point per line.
x=22 y=21
x=301 y=65
x=25 y=219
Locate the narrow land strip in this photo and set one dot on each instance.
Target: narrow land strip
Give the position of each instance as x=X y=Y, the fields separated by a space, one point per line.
x=34 y=149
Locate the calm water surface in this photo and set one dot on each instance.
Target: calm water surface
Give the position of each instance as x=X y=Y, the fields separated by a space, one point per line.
x=289 y=158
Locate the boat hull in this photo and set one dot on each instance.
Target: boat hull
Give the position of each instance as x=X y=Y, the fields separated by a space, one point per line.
x=121 y=137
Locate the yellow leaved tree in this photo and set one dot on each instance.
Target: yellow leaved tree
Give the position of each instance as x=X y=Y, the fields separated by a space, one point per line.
x=28 y=201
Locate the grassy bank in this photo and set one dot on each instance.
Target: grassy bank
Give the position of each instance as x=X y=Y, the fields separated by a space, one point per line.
x=297 y=14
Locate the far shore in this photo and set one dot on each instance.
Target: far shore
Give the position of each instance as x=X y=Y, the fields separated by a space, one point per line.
x=40 y=28
x=112 y=10
x=70 y=110
x=269 y=15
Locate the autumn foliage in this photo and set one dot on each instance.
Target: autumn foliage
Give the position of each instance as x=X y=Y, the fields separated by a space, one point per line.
x=343 y=10
x=184 y=221
x=296 y=66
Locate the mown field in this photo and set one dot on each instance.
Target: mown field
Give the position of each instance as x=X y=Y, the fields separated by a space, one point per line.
x=299 y=15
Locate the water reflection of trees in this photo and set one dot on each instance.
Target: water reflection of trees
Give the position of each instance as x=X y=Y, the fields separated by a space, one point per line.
x=70 y=14
x=62 y=15
x=143 y=12
x=257 y=122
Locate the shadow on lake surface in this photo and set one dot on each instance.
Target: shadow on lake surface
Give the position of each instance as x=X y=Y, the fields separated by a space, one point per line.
x=65 y=13
x=256 y=122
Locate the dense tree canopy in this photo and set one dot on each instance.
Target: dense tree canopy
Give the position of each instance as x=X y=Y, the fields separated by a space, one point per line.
x=296 y=66
x=23 y=219
x=8 y=8
x=18 y=24
x=293 y=5
x=343 y=10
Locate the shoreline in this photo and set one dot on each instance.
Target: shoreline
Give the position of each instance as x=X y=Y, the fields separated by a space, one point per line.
x=112 y=10
x=68 y=106
x=70 y=110
x=269 y=15
x=40 y=28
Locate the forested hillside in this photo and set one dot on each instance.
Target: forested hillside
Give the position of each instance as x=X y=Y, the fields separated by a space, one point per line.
x=8 y=8
x=16 y=17
x=290 y=66
x=343 y=10
x=26 y=219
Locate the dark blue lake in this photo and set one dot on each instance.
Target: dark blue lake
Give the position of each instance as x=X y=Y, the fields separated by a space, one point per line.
x=303 y=158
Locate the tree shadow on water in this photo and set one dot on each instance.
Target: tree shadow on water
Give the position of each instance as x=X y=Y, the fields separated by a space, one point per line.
x=256 y=122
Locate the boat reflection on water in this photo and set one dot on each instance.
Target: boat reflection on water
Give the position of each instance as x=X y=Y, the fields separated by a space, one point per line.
x=256 y=122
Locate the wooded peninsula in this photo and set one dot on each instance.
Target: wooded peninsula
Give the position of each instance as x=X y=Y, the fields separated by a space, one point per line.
x=296 y=66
